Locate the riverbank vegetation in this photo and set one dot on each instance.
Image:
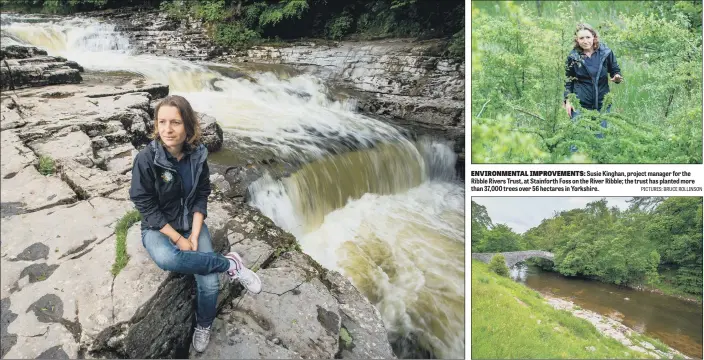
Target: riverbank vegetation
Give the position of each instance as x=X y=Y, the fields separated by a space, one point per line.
x=518 y=75
x=511 y=321
x=654 y=244
x=239 y=24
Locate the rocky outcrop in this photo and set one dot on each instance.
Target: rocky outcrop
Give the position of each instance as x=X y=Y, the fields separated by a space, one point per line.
x=153 y=32
x=22 y=67
x=58 y=293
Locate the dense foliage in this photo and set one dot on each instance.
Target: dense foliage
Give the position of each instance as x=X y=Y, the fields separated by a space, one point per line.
x=498 y=265
x=242 y=23
x=518 y=76
x=656 y=242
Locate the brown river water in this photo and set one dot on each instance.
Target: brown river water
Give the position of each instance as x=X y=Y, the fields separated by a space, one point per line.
x=673 y=321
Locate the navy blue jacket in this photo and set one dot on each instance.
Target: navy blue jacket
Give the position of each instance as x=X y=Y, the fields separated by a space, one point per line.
x=590 y=88
x=156 y=189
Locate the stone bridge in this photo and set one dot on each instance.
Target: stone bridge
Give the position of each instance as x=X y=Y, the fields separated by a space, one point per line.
x=514 y=257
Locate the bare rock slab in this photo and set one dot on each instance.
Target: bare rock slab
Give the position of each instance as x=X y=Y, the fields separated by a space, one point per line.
x=229 y=341
x=74 y=146
x=294 y=307
x=29 y=191
x=90 y=182
x=57 y=234
x=15 y=156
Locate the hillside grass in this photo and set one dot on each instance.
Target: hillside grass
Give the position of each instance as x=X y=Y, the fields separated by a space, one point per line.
x=510 y=320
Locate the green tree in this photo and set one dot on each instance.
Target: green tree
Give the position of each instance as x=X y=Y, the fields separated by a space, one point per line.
x=498 y=265
x=500 y=238
x=481 y=222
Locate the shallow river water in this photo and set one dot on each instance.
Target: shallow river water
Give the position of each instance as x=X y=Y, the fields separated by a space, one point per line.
x=675 y=322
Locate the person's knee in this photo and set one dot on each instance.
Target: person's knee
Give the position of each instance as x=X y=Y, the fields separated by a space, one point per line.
x=160 y=249
x=204 y=232
x=205 y=241
x=209 y=284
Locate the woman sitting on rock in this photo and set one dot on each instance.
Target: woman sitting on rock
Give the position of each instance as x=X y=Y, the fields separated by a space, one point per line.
x=170 y=188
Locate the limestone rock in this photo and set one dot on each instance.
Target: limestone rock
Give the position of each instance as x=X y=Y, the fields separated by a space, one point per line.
x=90 y=182
x=230 y=341
x=20 y=52
x=295 y=308
x=15 y=156
x=29 y=191
x=27 y=67
x=362 y=321
x=75 y=146
x=211 y=132
x=220 y=183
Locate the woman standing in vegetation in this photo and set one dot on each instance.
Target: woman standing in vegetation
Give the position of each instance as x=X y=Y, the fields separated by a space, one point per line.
x=587 y=67
x=170 y=188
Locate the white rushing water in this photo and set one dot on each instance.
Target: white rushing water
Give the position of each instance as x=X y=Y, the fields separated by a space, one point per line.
x=388 y=216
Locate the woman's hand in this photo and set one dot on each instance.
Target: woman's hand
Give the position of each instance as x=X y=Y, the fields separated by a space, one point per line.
x=569 y=108
x=183 y=244
x=193 y=240
x=617 y=78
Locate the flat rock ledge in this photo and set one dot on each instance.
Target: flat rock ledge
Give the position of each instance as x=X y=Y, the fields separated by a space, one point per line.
x=613 y=329
x=58 y=295
x=26 y=67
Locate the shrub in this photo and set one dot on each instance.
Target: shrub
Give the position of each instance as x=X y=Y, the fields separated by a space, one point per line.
x=338 y=27
x=234 y=35
x=456 y=46
x=498 y=265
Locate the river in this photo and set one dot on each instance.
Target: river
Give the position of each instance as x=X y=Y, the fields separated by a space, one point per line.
x=384 y=210
x=673 y=321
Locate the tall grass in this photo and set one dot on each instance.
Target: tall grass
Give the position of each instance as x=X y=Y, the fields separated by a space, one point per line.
x=511 y=321
x=656 y=111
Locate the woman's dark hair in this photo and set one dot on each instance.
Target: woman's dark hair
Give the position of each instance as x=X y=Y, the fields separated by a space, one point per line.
x=585 y=26
x=189 y=117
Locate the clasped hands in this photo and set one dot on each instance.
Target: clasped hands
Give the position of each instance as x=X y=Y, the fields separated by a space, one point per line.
x=190 y=244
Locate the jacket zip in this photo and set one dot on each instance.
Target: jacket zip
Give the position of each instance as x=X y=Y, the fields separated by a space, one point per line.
x=596 y=80
x=184 y=218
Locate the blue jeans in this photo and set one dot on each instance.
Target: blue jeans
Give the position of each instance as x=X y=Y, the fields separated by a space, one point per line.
x=204 y=264
x=575 y=113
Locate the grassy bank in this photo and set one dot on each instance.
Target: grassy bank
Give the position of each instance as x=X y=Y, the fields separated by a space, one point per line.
x=510 y=320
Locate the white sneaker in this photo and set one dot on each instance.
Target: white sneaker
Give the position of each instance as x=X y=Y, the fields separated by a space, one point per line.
x=247 y=277
x=201 y=338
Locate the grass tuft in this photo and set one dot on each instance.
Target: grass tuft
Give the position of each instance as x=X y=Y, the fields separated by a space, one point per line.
x=121 y=257
x=46 y=165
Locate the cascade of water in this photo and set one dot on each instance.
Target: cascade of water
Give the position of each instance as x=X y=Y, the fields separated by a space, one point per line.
x=368 y=202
